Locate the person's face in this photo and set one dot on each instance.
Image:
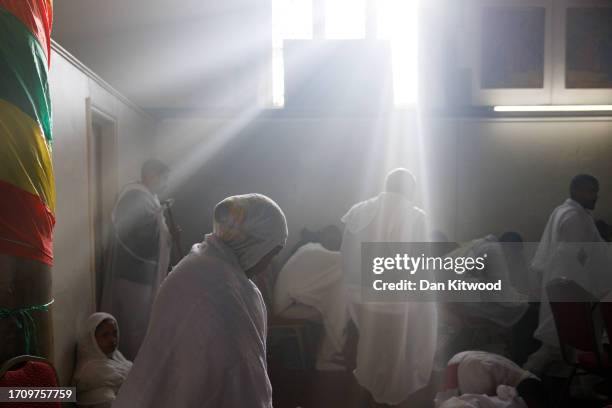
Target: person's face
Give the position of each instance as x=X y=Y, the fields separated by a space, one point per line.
x=106 y=336
x=263 y=264
x=156 y=183
x=588 y=195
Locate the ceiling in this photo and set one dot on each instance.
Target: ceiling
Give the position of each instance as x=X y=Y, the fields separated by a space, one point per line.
x=165 y=54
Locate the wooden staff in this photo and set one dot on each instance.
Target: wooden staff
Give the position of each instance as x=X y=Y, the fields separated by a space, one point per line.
x=175 y=231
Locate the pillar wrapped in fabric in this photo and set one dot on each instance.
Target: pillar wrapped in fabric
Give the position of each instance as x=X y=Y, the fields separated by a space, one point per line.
x=27 y=207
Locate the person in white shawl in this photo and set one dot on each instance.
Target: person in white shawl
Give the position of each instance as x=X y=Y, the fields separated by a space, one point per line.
x=506 y=398
x=311 y=280
x=482 y=379
x=570 y=247
x=101 y=368
x=397 y=341
x=138 y=255
x=206 y=343
x=504 y=308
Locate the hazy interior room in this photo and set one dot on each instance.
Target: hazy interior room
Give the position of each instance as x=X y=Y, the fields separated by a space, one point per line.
x=212 y=90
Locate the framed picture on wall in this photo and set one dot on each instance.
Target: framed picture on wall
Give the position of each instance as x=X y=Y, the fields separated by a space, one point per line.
x=582 y=49
x=588 y=49
x=513 y=41
x=509 y=44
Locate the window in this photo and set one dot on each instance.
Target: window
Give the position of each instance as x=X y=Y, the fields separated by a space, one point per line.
x=345 y=19
x=291 y=19
x=396 y=21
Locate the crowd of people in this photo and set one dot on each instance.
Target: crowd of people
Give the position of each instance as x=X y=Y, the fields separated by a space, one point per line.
x=198 y=335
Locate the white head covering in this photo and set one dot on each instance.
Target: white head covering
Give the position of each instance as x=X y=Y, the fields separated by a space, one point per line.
x=485 y=380
x=506 y=397
x=395 y=203
x=481 y=372
x=475 y=376
x=251 y=225
x=98 y=376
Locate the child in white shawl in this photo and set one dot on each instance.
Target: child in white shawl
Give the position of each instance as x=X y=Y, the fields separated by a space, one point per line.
x=101 y=368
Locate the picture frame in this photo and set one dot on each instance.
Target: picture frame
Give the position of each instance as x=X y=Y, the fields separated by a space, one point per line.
x=512 y=47
x=492 y=45
x=562 y=94
x=588 y=48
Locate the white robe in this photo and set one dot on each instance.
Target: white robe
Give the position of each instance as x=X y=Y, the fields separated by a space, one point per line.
x=97 y=376
x=570 y=232
x=484 y=380
x=126 y=298
x=313 y=277
x=506 y=398
x=397 y=341
x=480 y=372
x=503 y=308
x=205 y=347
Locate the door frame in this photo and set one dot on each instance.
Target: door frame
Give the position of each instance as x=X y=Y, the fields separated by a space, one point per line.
x=109 y=125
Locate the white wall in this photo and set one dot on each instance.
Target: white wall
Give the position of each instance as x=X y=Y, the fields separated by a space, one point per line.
x=71 y=85
x=222 y=46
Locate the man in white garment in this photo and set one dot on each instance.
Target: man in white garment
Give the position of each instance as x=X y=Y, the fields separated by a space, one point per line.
x=206 y=343
x=138 y=255
x=397 y=341
x=570 y=247
x=309 y=286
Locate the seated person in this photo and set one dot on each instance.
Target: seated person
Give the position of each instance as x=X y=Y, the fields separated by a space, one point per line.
x=503 y=308
x=489 y=380
x=309 y=286
x=101 y=368
x=492 y=313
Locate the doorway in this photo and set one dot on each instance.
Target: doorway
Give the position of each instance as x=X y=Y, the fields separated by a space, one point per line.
x=103 y=189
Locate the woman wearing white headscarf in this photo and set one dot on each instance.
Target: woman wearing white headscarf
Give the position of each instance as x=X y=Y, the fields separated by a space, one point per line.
x=206 y=343
x=101 y=368
x=481 y=379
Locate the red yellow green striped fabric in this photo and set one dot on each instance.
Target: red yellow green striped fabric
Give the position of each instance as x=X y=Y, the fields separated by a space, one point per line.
x=27 y=188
